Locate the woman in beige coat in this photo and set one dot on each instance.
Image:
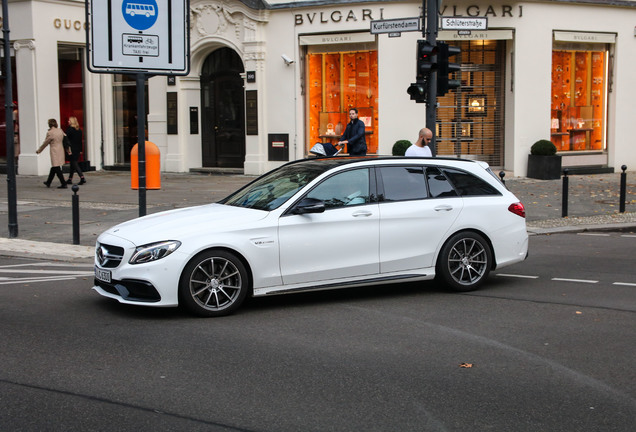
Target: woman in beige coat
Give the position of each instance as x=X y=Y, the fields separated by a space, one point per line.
x=55 y=139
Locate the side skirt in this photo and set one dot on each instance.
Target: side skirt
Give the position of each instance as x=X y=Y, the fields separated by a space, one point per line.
x=344 y=284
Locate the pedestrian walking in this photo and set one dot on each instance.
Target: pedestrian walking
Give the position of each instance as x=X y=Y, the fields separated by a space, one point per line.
x=421 y=148
x=54 y=139
x=74 y=134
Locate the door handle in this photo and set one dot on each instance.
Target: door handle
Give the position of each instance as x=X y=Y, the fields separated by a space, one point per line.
x=362 y=213
x=444 y=207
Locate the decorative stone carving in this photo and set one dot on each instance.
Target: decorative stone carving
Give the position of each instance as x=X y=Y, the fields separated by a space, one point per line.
x=30 y=44
x=231 y=21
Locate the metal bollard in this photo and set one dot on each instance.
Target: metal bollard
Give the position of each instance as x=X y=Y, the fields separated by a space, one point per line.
x=76 y=234
x=501 y=176
x=623 y=189
x=564 y=202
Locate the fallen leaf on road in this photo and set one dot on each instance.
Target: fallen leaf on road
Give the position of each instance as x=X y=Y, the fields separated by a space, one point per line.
x=466 y=365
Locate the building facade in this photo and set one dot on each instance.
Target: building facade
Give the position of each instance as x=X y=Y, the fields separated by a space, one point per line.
x=270 y=79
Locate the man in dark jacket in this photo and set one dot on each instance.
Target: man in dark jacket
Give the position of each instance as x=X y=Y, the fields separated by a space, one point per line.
x=353 y=135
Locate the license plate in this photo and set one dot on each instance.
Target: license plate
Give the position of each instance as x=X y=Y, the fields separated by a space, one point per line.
x=102 y=275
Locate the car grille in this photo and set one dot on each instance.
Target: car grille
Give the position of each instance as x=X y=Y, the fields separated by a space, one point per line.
x=109 y=256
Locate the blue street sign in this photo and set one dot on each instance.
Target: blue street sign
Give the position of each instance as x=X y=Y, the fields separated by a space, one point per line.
x=140 y=14
x=142 y=36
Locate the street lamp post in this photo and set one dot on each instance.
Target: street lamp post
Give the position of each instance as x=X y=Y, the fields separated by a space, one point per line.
x=8 y=107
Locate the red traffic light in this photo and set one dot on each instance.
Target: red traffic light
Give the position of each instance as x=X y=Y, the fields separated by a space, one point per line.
x=425 y=59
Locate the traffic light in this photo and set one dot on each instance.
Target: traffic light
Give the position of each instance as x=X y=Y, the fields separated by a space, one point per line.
x=425 y=60
x=417 y=91
x=444 y=84
x=425 y=57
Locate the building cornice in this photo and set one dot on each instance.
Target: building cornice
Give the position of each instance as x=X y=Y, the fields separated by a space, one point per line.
x=262 y=4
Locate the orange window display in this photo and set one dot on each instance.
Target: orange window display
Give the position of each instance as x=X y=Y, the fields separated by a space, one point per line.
x=338 y=82
x=578 y=100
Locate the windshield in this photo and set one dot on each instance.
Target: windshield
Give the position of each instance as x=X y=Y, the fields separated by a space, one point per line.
x=272 y=190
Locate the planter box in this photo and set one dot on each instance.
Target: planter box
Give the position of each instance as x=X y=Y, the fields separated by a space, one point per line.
x=544 y=167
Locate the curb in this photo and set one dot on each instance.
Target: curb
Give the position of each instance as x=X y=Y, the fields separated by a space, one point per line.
x=46 y=250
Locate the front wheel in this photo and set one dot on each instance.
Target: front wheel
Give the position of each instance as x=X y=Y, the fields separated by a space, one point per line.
x=465 y=261
x=214 y=283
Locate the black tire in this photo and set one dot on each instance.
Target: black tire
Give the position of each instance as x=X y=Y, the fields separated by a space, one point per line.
x=465 y=261
x=214 y=283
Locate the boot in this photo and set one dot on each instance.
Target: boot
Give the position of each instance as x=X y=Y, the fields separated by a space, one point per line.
x=82 y=181
x=70 y=180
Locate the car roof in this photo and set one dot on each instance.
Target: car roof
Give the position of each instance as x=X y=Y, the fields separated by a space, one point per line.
x=326 y=163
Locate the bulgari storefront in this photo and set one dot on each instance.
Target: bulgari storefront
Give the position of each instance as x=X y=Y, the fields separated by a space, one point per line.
x=269 y=80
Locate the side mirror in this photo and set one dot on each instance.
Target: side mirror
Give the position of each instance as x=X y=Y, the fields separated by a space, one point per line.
x=309 y=205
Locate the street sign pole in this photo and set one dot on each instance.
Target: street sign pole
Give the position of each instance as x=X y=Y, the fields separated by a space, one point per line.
x=12 y=201
x=141 y=141
x=142 y=39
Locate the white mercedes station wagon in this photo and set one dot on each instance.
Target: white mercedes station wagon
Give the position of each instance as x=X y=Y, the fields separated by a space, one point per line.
x=318 y=224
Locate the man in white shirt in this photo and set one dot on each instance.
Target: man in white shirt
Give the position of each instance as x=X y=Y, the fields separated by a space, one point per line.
x=421 y=148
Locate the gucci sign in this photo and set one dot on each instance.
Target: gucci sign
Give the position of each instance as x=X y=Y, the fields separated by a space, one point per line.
x=68 y=24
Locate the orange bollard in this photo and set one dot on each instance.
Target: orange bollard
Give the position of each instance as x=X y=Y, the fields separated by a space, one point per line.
x=153 y=167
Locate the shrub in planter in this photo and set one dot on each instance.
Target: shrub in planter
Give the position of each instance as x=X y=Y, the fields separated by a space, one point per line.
x=543 y=162
x=399 y=148
x=543 y=148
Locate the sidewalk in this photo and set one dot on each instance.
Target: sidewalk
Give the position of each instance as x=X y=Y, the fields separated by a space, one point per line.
x=45 y=227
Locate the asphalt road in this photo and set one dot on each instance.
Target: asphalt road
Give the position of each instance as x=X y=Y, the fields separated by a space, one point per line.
x=547 y=345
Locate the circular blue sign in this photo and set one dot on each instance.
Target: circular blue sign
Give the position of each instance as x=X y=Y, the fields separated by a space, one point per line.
x=140 y=14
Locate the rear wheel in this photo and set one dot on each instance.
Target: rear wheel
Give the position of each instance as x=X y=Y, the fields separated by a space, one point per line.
x=465 y=261
x=214 y=283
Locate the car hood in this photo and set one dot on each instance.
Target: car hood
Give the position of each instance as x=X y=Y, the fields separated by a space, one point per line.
x=179 y=224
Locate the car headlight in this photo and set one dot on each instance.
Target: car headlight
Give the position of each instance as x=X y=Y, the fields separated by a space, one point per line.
x=154 y=251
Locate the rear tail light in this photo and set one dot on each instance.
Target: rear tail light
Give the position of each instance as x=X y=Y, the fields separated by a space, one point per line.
x=518 y=209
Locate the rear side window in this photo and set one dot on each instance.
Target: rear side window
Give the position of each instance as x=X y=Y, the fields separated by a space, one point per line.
x=403 y=183
x=467 y=184
x=438 y=184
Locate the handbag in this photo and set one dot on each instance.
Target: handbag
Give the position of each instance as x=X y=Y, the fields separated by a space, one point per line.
x=66 y=143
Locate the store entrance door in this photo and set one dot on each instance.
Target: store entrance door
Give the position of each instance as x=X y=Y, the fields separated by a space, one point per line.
x=222 y=110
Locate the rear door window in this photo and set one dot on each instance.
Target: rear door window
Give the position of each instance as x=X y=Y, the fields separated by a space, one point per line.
x=403 y=183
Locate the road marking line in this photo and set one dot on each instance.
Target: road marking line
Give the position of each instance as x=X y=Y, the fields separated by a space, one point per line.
x=517 y=276
x=628 y=235
x=57 y=272
x=593 y=234
x=625 y=284
x=33 y=280
x=49 y=264
x=575 y=280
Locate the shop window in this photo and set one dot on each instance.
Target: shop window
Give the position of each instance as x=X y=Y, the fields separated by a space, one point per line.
x=470 y=120
x=338 y=82
x=71 y=81
x=125 y=106
x=578 y=99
